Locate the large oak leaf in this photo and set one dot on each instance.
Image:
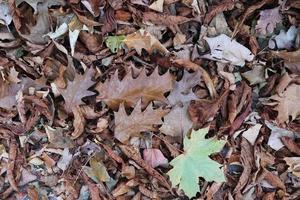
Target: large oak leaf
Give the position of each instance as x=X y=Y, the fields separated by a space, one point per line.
x=130 y=90
x=77 y=89
x=138 y=121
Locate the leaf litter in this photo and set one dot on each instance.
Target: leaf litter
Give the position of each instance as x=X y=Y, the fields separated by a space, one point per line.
x=149 y=99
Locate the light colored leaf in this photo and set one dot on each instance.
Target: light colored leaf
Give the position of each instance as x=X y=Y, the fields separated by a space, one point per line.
x=284 y=40
x=4 y=13
x=268 y=20
x=157 y=5
x=294 y=165
x=154 y=157
x=256 y=75
x=65 y=160
x=252 y=133
x=195 y=163
x=276 y=133
x=226 y=50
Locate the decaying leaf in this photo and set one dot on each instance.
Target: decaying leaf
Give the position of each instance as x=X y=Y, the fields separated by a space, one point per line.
x=144 y=40
x=256 y=75
x=177 y=122
x=294 y=165
x=137 y=121
x=195 y=163
x=224 y=49
x=268 y=20
x=130 y=90
x=77 y=89
x=97 y=171
x=57 y=139
x=4 y=13
x=154 y=157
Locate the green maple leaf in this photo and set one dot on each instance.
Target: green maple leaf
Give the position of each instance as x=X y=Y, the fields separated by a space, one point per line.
x=195 y=162
x=114 y=42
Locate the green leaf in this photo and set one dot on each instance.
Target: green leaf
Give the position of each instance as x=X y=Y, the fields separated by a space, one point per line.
x=195 y=163
x=114 y=42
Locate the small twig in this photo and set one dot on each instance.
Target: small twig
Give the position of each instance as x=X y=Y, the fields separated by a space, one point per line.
x=88 y=160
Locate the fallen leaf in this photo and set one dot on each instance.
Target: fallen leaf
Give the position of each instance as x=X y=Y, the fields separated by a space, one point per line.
x=127 y=126
x=130 y=90
x=203 y=110
x=284 y=40
x=57 y=139
x=154 y=157
x=97 y=171
x=157 y=5
x=182 y=92
x=291 y=145
x=294 y=165
x=114 y=42
x=292 y=59
x=287 y=105
x=144 y=40
x=225 y=50
x=268 y=20
x=252 y=133
x=65 y=160
x=131 y=153
x=78 y=123
x=77 y=89
x=4 y=14
x=276 y=133
x=256 y=75
x=177 y=122
x=195 y=163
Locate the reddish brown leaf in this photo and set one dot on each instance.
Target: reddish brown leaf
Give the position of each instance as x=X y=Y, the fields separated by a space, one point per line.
x=291 y=145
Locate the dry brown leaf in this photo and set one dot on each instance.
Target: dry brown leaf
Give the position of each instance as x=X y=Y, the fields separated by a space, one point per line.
x=77 y=89
x=203 y=110
x=287 y=105
x=144 y=40
x=177 y=122
x=57 y=139
x=225 y=5
x=13 y=151
x=292 y=59
x=291 y=145
x=163 y=19
x=78 y=123
x=130 y=90
x=182 y=91
x=131 y=153
x=138 y=121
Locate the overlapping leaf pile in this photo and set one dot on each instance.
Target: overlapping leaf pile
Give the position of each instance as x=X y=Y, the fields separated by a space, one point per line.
x=149 y=99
